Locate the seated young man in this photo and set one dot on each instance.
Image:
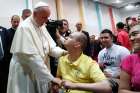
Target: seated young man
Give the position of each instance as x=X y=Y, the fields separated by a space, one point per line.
x=77 y=68
x=110 y=57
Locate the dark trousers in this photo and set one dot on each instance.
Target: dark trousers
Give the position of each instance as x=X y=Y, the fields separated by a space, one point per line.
x=4 y=69
x=3 y=84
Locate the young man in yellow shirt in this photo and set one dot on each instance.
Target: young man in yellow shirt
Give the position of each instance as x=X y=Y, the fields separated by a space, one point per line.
x=77 y=68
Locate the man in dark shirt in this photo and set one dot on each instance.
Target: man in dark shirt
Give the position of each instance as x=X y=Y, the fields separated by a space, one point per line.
x=3 y=63
x=15 y=19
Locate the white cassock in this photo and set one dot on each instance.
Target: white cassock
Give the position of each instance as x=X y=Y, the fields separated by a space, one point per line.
x=30 y=47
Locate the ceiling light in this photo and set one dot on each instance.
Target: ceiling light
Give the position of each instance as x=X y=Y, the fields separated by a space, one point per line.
x=130 y=7
x=118 y=1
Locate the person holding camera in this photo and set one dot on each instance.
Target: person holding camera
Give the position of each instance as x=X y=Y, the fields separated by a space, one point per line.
x=62 y=32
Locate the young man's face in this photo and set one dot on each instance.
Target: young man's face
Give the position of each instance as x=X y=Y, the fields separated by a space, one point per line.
x=106 y=39
x=71 y=41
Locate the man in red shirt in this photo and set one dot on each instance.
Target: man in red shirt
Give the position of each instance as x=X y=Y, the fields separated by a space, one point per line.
x=122 y=37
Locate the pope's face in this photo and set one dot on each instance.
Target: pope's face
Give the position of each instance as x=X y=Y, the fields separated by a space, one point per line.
x=42 y=16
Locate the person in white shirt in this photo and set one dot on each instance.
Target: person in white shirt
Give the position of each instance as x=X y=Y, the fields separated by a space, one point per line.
x=31 y=47
x=111 y=55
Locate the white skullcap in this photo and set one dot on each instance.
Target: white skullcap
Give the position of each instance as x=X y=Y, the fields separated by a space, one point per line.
x=40 y=4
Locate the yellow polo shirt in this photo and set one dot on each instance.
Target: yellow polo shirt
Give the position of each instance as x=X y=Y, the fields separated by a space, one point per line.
x=83 y=70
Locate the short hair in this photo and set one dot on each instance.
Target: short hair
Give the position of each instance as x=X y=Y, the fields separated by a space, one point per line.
x=82 y=38
x=15 y=16
x=79 y=23
x=128 y=18
x=120 y=25
x=26 y=11
x=107 y=31
x=65 y=20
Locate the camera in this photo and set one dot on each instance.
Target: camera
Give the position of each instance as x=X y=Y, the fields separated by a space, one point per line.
x=52 y=26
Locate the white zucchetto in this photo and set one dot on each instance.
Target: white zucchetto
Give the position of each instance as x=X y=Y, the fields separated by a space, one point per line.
x=41 y=4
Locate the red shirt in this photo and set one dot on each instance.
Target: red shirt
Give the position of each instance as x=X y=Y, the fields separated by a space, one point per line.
x=123 y=39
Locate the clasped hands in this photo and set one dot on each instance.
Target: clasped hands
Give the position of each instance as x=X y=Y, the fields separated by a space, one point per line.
x=64 y=84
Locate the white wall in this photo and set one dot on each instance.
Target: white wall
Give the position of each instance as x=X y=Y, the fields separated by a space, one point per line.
x=52 y=5
x=129 y=13
x=117 y=15
x=70 y=12
x=15 y=7
x=92 y=20
x=9 y=8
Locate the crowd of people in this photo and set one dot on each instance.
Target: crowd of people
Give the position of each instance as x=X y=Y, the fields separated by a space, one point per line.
x=81 y=63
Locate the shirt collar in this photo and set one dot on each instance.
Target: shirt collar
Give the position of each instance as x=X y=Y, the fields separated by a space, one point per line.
x=77 y=62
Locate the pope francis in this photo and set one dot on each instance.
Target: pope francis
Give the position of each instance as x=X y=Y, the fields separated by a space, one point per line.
x=31 y=47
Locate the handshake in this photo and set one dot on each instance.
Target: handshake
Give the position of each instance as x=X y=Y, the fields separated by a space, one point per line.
x=62 y=84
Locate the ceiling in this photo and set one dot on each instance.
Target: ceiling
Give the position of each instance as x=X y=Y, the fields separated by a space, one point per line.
x=120 y=4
